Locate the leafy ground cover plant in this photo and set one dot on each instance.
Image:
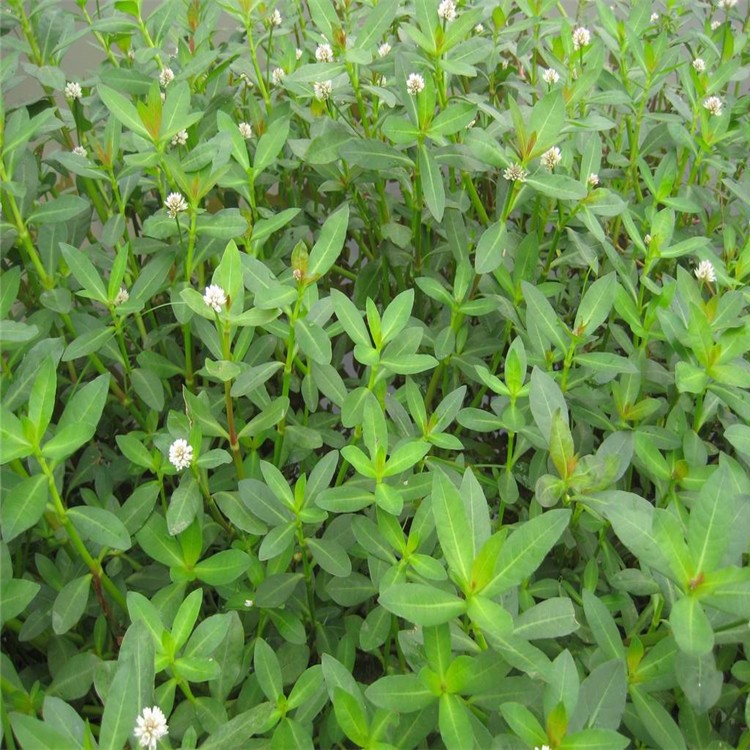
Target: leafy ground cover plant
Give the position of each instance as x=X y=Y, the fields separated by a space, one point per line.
x=375 y=375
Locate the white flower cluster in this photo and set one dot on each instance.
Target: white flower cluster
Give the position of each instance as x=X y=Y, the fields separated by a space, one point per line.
x=550 y=76
x=275 y=19
x=122 y=296
x=593 y=179
x=80 y=151
x=166 y=77
x=175 y=204
x=180 y=139
x=713 y=104
x=384 y=49
x=699 y=65
x=727 y=4
x=277 y=75
x=551 y=158
x=414 y=83
x=150 y=727
x=654 y=17
x=180 y=456
x=515 y=173
x=322 y=90
x=246 y=130
x=73 y=90
x=705 y=271
x=581 y=37
x=324 y=53
x=447 y=10
x=298 y=53
x=215 y=297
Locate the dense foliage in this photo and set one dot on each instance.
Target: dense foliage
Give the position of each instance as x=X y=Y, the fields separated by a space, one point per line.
x=375 y=375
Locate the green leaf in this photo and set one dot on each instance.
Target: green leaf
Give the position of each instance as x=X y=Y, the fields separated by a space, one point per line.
x=87 y=343
x=33 y=733
x=15 y=595
x=350 y=318
x=596 y=304
x=420 y=604
x=540 y=314
x=601 y=700
x=523 y=723
x=691 y=627
x=70 y=604
x=350 y=717
x=378 y=21
x=59 y=210
x=154 y=540
x=267 y=670
x=186 y=617
x=270 y=144
x=100 y=526
x=594 y=739
x=546 y=122
x=184 y=505
x=396 y=315
x=330 y=243
x=42 y=398
x=239 y=729
x=433 y=187
x=656 y=720
x=454 y=723
x=490 y=248
x=313 y=341
x=525 y=550
x=603 y=626
x=223 y=567
x=452 y=527
x=330 y=556
x=123 y=110
x=149 y=388
x=546 y=399
x=452 y=119
x=561 y=448
x=551 y=618
x=138 y=646
x=85 y=274
x=121 y=707
x=23 y=507
x=400 y=693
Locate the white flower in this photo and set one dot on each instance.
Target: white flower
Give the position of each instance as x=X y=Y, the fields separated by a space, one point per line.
x=471 y=124
x=715 y=25
x=80 y=151
x=550 y=76
x=713 y=104
x=581 y=37
x=275 y=19
x=166 y=77
x=647 y=239
x=174 y=204
x=245 y=129
x=384 y=49
x=699 y=65
x=163 y=97
x=654 y=17
x=131 y=55
x=298 y=53
x=180 y=455
x=322 y=90
x=73 y=90
x=249 y=603
x=479 y=28
x=122 y=296
x=543 y=747
x=414 y=83
x=727 y=4
x=593 y=179
x=324 y=53
x=180 y=139
x=515 y=173
x=297 y=274
x=215 y=297
x=447 y=10
x=551 y=158
x=277 y=75
x=705 y=271
x=246 y=79
x=150 y=727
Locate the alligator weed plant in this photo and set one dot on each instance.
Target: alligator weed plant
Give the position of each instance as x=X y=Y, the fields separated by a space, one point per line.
x=374 y=374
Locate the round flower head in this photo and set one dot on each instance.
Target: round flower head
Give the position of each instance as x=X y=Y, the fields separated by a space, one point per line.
x=593 y=179
x=215 y=297
x=551 y=158
x=414 y=83
x=298 y=53
x=705 y=271
x=324 y=53
x=122 y=296
x=447 y=10
x=180 y=455
x=322 y=90
x=581 y=37
x=715 y=25
x=543 y=747
x=699 y=65
x=166 y=77
x=277 y=75
x=654 y=17
x=80 y=151
x=515 y=173
x=174 y=204
x=479 y=28
x=713 y=104
x=150 y=727
x=249 y=603
x=550 y=76
x=73 y=90
x=297 y=274
x=727 y=4
x=180 y=139
x=275 y=19
x=384 y=49
x=647 y=239
x=246 y=130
